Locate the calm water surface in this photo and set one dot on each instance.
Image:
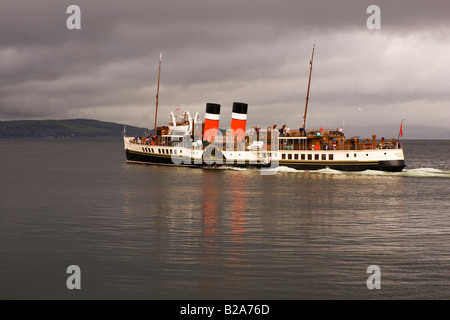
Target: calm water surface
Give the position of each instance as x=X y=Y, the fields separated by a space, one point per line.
x=153 y=232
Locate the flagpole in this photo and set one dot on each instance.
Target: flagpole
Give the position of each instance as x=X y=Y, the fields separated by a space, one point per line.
x=400 y=133
x=157 y=94
x=309 y=83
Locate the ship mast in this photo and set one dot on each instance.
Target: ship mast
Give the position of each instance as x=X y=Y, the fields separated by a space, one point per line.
x=309 y=83
x=157 y=94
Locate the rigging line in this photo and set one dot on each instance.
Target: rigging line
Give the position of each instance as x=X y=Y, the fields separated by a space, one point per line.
x=138 y=110
x=290 y=97
x=313 y=117
x=291 y=111
x=321 y=105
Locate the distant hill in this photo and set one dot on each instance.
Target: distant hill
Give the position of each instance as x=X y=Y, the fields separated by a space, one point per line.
x=391 y=131
x=75 y=128
x=85 y=128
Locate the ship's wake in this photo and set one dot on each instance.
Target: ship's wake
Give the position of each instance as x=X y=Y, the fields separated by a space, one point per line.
x=426 y=172
x=415 y=172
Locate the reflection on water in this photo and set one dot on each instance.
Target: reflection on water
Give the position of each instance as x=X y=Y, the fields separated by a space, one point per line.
x=157 y=232
x=239 y=233
x=211 y=201
x=212 y=198
x=237 y=197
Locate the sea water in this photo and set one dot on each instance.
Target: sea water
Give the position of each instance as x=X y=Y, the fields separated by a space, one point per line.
x=159 y=232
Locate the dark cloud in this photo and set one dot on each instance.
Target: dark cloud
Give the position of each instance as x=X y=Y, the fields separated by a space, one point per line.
x=224 y=51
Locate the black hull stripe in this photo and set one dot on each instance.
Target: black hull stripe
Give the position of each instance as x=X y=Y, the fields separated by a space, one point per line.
x=390 y=165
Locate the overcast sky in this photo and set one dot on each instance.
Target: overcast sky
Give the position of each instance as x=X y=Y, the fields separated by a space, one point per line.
x=253 y=51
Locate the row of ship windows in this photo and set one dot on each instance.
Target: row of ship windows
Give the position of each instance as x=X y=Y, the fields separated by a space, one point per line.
x=317 y=156
x=303 y=156
x=284 y=156
x=162 y=151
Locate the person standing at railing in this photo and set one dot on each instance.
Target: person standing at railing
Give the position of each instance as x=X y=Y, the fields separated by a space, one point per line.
x=302 y=132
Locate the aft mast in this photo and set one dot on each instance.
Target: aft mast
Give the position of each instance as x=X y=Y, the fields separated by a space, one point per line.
x=309 y=83
x=157 y=94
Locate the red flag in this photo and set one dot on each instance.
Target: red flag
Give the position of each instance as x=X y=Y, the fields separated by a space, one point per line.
x=400 y=133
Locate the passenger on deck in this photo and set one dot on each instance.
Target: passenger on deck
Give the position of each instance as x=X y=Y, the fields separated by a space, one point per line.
x=302 y=132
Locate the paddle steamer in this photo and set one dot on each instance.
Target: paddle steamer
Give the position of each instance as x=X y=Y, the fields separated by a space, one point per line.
x=190 y=141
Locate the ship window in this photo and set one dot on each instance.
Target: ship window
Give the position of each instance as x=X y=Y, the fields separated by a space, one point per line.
x=348 y=155
x=290 y=156
x=171 y=152
x=175 y=151
x=159 y=150
x=367 y=154
x=355 y=155
x=296 y=156
x=153 y=150
x=324 y=157
x=303 y=157
x=309 y=156
x=316 y=157
x=330 y=157
x=283 y=156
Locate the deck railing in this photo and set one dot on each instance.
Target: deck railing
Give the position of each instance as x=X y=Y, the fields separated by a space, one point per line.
x=290 y=143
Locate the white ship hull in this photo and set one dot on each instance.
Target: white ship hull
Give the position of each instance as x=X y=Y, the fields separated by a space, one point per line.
x=345 y=160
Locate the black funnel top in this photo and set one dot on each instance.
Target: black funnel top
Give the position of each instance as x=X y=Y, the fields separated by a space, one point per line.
x=213 y=108
x=240 y=107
